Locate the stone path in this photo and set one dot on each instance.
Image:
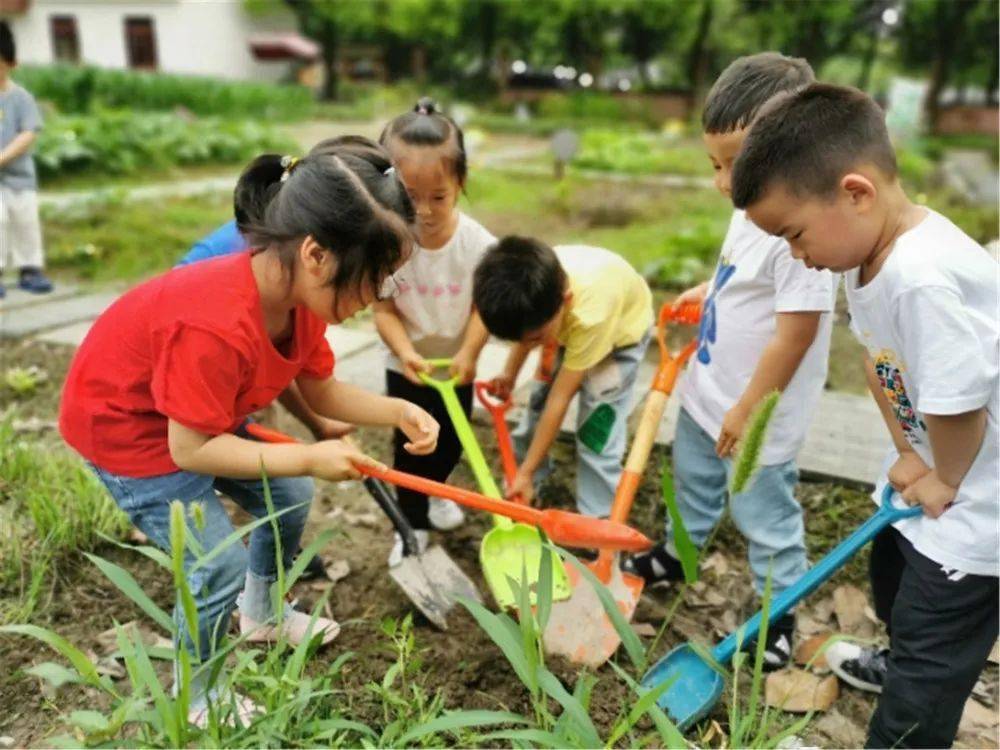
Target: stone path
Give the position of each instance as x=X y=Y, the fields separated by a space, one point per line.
x=846 y=441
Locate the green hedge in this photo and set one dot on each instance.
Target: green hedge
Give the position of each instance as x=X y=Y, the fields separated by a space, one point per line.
x=639 y=153
x=121 y=143
x=80 y=89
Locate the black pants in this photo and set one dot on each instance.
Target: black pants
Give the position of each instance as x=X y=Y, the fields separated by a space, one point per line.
x=439 y=464
x=942 y=625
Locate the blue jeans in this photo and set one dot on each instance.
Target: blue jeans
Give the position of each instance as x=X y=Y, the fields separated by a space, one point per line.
x=767 y=513
x=215 y=585
x=606 y=398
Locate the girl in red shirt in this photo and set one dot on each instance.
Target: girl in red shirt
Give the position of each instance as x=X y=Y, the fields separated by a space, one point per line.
x=171 y=371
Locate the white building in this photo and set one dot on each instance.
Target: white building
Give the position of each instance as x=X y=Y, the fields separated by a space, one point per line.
x=197 y=37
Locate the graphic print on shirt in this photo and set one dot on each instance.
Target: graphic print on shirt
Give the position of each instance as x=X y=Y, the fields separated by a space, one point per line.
x=891 y=378
x=707 y=329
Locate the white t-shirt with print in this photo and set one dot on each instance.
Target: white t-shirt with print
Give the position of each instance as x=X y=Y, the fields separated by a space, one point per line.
x=435 y=291
x=929 y=320
x=756 y=278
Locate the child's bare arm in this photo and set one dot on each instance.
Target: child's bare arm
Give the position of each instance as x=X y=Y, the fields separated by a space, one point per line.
x=235 y=457
x=955 y=442
x=339 y=400
x=463 y=364
x=794 y=334
x=21 y=144
x=565 y=386
x=321 y=427
x=909 y=467
x=390 y=328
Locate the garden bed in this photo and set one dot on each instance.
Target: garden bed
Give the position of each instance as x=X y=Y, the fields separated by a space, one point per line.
x=461 y=666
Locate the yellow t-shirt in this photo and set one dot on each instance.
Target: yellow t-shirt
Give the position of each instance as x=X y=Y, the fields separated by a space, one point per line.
x=611 y=307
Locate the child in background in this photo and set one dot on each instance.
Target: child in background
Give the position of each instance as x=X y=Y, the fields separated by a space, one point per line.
x=818 y=169
x=171 y=371
x=766 y=325
x=20 y=228
x=432 y=316
x=598 y=310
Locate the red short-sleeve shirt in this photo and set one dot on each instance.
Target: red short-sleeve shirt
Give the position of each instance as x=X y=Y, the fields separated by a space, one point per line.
x=191 y=346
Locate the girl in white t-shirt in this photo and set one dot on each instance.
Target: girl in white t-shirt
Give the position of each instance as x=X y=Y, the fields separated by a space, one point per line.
x=432 y=317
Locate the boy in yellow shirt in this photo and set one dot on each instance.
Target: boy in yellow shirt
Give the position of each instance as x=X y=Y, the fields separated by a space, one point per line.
x=598 y=310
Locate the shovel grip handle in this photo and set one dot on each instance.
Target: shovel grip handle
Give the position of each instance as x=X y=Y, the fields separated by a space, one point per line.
x=498 y=411
x=817 y=575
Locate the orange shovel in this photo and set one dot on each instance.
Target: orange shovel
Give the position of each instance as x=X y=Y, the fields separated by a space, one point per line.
x=578 y=627
x=562 y=527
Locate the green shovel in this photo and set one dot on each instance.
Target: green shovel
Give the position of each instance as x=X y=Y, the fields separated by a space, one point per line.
x=508 y=549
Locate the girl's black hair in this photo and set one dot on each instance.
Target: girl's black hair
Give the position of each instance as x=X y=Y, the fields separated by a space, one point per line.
x=8 y=49
x=344 y=194
x=426 y=126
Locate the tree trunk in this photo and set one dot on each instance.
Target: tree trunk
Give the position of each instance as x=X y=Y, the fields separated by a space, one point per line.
x=697 y=58
x=331 y=74
x=950 y=25
x=992 y=82
x=868 y=61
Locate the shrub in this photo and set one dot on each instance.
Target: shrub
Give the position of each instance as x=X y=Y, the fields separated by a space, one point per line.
x=119 y=142
x=81 y=89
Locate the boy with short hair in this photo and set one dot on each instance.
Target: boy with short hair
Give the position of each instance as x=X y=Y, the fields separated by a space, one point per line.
x=20 y=229
x=598 y=310
x=766 y=325
x=818 y=169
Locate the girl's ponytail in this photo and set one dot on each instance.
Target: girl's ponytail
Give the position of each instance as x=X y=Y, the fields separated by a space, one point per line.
x=257 y=185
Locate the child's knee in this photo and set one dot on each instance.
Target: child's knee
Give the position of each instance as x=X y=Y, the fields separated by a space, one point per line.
x=295 y=492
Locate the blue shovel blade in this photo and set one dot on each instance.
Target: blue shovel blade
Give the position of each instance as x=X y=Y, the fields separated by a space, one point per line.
x=695 y=685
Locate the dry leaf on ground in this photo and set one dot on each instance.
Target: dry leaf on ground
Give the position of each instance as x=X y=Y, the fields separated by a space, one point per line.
x=977 y=717
x=807 y=653
x=644 y=629
x=849 y=604
x=798 y=691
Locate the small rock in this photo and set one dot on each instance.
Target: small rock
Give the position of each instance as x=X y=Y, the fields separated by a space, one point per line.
x=644 y=629
x=137 y=537
x=334 y=514
x=807 y=653
x=797 y=691
x=794 y=742
x=338 y=570
x=715 y=563
x=111 y=668
x=849 y=604
x=6 y=742
x=366 y=519
x=977 y=717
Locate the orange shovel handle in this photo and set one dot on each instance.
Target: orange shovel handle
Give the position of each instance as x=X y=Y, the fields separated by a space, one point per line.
x=498 y=411
x=562 y=527
x=670 y=367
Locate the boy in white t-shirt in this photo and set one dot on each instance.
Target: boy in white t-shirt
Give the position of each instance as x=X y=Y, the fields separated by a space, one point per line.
x=766 y=323
x=818 y=169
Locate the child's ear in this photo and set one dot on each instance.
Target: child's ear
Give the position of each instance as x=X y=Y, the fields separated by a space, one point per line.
x=860 y=191
x=567 y=296
x=313 y=256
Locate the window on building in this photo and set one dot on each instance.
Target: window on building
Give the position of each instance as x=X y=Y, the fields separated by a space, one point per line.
x=140 y=43
x=65 y=39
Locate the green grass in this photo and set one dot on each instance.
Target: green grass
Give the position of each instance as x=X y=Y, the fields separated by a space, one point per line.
x=51 y=507
x=118 y=241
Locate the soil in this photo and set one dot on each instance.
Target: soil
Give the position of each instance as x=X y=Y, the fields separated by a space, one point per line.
x=462 y=662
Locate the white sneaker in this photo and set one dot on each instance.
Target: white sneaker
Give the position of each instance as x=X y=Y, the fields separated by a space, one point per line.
x=444 y=515
x=396 y=555
x=862 y=667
